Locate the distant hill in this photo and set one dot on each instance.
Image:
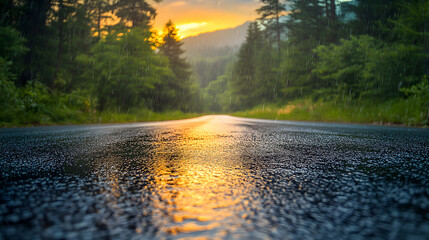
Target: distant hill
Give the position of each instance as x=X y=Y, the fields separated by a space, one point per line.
x=211 y=44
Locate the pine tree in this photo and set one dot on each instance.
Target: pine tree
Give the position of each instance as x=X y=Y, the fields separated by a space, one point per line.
x=33 y=28
x=123 y=72
x=245 y=85
x=270 y=13
x=98 y=10
x=171 y=47
x=137 y=12
x=331 y=16
x=307 y=23
x=373 y=15
x=71 y=27
x=307 y=28
x=64 y=9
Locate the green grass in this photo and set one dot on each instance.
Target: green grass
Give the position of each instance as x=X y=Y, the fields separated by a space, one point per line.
x=142 y=116
x=79 y=117
x=410 y=112
x=35 y=104
x=400 y=112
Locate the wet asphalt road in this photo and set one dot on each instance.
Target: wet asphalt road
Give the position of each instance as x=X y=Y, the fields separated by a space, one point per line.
x=214 y=177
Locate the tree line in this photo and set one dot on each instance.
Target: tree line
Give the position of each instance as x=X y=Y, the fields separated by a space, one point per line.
x=362 y=51
x=59 y=57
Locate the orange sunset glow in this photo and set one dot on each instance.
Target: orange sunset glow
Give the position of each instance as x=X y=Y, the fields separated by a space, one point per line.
x=197 y=16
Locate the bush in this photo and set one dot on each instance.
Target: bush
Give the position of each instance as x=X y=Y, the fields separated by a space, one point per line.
x=10 y=103
x=365 y=67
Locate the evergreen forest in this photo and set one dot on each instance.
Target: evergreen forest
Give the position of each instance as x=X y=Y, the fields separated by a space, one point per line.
x=92 y=61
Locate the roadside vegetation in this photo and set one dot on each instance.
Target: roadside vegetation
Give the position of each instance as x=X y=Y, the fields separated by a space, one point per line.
x=357 y=61
x=66 y=61
x=402 y=112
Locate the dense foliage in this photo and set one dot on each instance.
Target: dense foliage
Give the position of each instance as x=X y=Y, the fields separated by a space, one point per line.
x=358 y=52
x=63 y=58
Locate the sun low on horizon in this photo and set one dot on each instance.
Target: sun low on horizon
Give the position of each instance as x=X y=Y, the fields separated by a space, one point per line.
x=193 y=17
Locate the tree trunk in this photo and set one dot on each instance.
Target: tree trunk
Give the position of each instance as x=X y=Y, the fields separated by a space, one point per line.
x=33 y=28
x=278 y=26
x=333 y=14
x=99 y=20
x=60 y=42
x=327 y=10
x=133 y=20
x=330 y=10
x=5 y=11
x=426 y=47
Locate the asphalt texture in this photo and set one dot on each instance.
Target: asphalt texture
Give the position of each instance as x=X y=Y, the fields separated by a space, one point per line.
x=214 y=177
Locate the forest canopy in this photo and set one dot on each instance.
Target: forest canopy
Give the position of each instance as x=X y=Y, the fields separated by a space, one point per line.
x=60 y=58
x=70 y=61
x=349 y=55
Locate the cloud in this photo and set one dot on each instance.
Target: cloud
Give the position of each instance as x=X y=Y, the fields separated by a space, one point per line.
x=217 y=14
x=177 y=4
x=188 y=26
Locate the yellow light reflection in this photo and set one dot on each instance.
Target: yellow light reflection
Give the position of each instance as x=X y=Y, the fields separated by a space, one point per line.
x=200 y=185
x=195 y=179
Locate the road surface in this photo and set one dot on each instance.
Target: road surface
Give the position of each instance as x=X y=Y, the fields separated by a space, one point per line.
x=214 y=177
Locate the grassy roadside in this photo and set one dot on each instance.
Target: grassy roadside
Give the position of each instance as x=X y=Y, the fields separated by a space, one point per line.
x=397 y=112
x=143 y=116
x=35 y=105
x=78 y=117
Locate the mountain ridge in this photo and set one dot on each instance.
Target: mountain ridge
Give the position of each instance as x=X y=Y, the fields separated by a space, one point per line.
x=201 y=44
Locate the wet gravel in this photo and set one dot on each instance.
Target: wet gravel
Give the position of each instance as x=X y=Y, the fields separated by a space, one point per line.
x=214 y=177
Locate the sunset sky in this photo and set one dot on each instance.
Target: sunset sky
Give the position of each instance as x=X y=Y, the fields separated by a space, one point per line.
x=197 y=16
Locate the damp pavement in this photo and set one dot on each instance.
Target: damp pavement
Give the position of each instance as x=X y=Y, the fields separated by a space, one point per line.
x=214 y=177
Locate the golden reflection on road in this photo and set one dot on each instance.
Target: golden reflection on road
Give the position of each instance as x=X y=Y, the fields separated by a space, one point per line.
x=198 y=179
x=214 y=177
